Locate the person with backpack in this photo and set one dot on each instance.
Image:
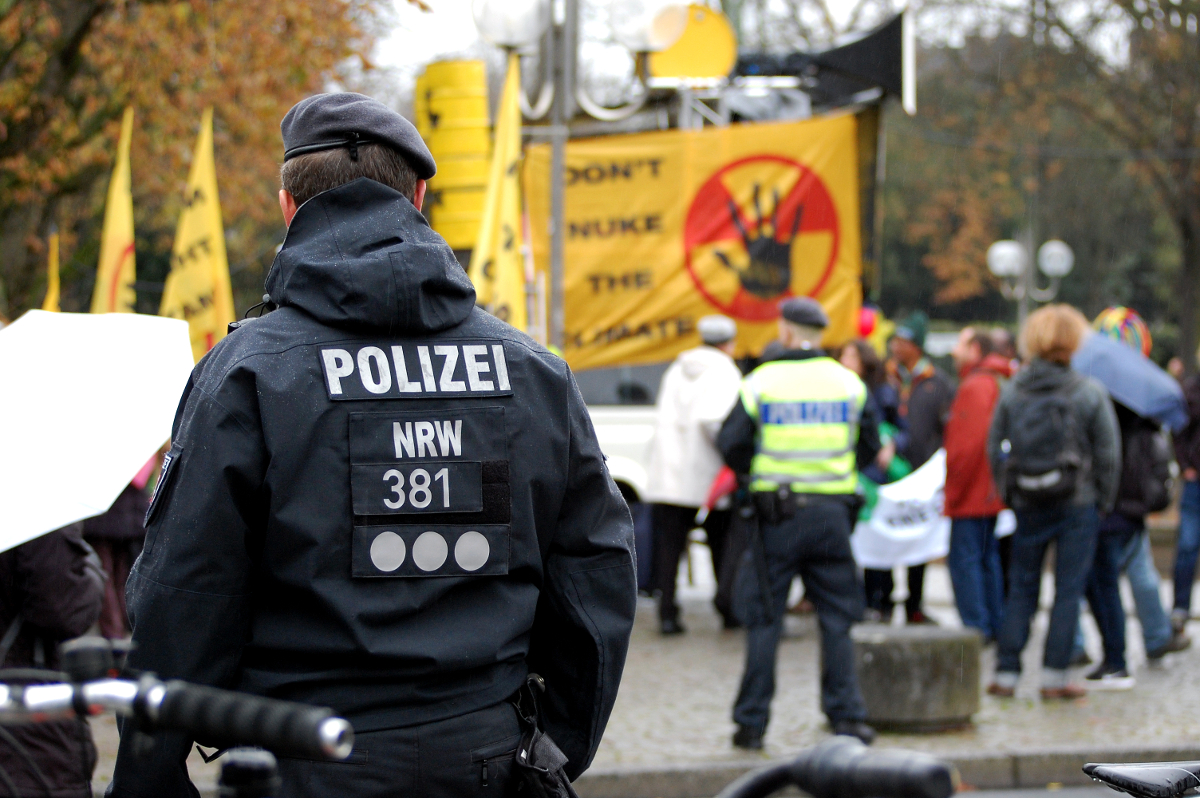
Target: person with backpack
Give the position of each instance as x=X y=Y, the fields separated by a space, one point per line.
x=1144 y=488
x=1056 y=455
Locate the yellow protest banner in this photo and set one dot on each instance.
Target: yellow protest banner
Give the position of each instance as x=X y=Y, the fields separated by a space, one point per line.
x=664 y=228
x=198 y=289
x=116 y=271
x=497 y=263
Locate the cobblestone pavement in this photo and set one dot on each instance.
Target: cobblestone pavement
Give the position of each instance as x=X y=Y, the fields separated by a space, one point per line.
x=676 y=694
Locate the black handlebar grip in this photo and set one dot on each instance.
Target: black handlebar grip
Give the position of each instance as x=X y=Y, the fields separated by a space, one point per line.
x=225 y=718
x=842 y=767
x=758 y=783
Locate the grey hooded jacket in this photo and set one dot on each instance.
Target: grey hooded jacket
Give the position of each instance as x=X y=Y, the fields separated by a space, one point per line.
x=1100 y=437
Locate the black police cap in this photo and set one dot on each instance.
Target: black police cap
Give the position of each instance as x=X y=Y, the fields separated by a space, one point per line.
x=805 y=311
x=346 y=119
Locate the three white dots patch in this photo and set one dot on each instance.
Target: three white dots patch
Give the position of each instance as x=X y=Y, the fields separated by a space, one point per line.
x=429 y=551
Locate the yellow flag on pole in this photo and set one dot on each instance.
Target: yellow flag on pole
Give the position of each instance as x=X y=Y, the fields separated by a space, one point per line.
x=116 y=272
x=51 y=301
x=198 y=289
x=497 y=262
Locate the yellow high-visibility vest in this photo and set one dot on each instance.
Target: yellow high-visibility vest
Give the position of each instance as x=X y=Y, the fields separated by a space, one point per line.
x=808 y=414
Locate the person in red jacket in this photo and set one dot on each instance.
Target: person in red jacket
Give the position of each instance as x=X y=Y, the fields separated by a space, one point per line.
x=972 y=502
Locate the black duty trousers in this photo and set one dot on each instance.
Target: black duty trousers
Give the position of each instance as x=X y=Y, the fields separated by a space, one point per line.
x=672 y=523
x=814 y=544
x=471 y=755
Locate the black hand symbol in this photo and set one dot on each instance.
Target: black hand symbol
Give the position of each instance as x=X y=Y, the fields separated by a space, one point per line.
x=770 y=271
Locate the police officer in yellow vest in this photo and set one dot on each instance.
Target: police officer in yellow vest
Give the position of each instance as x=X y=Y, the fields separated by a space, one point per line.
x=801 y=430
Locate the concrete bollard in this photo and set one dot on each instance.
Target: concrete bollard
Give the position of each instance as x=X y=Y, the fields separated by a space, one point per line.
x=918 y=678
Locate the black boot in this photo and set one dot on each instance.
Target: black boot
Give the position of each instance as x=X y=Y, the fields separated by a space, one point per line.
x=671 y=626
x=747 y=738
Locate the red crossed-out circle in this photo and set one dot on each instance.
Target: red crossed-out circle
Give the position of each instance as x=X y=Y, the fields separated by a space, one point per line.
x=709 y=221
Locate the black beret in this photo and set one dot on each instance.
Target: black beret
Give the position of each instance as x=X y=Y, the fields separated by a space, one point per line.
x=346 y=119
x=805 y=311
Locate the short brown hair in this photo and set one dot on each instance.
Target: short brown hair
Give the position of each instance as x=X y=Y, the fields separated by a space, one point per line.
x=1053 y=333
x=982 y=339
x=306 y=176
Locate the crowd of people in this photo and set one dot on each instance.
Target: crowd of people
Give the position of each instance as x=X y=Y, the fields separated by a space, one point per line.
x=1036 y=453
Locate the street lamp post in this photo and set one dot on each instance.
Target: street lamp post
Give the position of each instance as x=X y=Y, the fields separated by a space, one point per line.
x=1009 y=260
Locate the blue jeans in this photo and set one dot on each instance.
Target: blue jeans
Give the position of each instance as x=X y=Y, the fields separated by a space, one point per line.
x=1187 y=548
x=974 y=563
x=814 y=544
x=1103 y=587
x=1138 y=564
x=1073 y=530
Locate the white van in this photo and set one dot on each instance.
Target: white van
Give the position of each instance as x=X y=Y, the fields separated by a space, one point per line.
x=621 y=403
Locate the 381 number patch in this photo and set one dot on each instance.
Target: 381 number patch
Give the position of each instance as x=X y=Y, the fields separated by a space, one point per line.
x=424 y=487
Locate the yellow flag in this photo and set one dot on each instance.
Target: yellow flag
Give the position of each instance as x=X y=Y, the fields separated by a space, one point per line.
x=51 y=301
x=497 y=263
x=198 y=289
x=115 y=275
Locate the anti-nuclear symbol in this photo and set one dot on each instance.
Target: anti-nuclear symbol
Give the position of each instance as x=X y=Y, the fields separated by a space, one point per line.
x=758 y=231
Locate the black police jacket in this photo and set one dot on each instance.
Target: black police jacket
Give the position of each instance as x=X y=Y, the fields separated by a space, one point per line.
x=382 y=499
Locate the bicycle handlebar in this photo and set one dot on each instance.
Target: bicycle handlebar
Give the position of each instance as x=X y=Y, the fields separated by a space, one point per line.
x=208 y=713
x=1147 y=779
x=235 y=719
x=842 y=767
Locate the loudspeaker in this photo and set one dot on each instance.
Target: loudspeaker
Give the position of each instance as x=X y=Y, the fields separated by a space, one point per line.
x=883 y=59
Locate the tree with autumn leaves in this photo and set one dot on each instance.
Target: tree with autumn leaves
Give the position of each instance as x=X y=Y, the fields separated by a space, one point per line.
x=1078 y=119
x=68 y=68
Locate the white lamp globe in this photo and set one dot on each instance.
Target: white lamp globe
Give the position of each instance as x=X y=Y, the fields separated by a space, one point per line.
x=647 y=26
x=1006 y=258
x=511 y=23
x=1055 y=259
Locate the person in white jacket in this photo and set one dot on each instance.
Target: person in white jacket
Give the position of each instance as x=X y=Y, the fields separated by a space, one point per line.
x=697 y=393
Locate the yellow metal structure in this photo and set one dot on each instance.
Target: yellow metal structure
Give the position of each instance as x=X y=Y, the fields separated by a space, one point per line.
x=451 y=110
x=707 y=48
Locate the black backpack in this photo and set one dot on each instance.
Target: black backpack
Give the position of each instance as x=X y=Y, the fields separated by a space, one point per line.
x=1146 y=475
x=1044 y=459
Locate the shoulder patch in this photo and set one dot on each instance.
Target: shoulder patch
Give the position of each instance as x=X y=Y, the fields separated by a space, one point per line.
x=415 y=370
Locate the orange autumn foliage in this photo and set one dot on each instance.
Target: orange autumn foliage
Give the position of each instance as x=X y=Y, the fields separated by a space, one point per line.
x=69 y=67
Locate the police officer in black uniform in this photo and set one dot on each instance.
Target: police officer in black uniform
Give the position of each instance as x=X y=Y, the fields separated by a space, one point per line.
x=803 y=427
x=381 y=499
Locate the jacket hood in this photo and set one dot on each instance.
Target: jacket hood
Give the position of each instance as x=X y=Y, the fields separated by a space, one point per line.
x=362 y=257
x=1042 y=375
x=694 y=362
x=997 y=364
